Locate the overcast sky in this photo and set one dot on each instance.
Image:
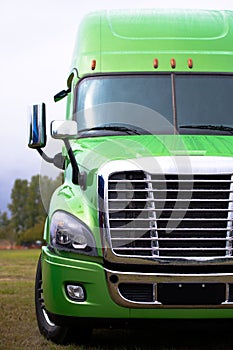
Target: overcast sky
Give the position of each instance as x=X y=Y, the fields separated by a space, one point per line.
x=36 y=44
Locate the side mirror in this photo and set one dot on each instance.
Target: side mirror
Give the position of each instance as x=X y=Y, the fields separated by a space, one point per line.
x=37 y=126
x=64 y=129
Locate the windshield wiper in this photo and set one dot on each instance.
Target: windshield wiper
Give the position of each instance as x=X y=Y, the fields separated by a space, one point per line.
x=209 y=126
x=116 y=128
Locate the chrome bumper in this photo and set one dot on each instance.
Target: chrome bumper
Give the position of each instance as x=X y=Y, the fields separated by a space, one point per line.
x=115 y=279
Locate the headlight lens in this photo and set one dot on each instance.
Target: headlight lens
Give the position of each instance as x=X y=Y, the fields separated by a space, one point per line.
x=70 y=234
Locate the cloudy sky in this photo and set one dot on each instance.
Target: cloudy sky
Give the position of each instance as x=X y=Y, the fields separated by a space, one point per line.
x=36 y=44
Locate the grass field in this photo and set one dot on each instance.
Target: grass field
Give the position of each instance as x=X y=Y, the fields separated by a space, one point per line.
x=18 y=327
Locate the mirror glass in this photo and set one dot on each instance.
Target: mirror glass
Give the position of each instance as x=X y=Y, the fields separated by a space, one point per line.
x=64 y=129
x=37 y=126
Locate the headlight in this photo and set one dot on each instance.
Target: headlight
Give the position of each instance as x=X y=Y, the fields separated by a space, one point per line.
x=70 y=234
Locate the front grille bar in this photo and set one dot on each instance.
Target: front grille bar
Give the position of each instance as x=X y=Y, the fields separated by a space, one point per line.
x=174 y=239
x=171 y=200
x=171 y=228
x=174 y=219
x=167 y=180
x=177 y=209
x=171 y=249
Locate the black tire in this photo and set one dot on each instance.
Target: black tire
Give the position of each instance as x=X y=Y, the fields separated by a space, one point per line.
x=57 y=334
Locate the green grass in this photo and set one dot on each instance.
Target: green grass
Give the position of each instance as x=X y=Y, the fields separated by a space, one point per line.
x=18 y=326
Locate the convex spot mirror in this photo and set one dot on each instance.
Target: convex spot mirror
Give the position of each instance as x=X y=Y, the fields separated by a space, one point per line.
x=37 y=126
x=64 y=129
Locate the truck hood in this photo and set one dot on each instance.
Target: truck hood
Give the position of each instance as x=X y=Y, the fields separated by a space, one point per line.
x=92 y=153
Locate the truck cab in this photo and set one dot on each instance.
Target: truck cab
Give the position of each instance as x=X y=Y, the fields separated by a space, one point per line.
x=141 y=228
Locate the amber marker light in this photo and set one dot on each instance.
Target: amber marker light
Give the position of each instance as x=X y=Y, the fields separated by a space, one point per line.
x=190 y=63
x=156 y=63
x=93 y=64
x=173 y=63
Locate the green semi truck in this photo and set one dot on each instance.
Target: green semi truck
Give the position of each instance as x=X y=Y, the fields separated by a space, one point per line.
x=141 y=228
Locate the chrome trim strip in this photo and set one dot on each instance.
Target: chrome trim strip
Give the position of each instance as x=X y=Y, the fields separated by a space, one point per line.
x=174 y=261
x=170 y=165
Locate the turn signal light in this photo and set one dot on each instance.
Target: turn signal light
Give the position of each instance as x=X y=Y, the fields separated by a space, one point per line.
x=173 y=63
x=156 y=63
x=190 y=63
x=93 y=64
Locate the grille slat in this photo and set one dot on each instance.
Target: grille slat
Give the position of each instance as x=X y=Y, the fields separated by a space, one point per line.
x=171 y=200
x=180 y=209
x=170 y=215
x=176 y=219
x=170 y=249
x=171 y=228
x=167 y=181
x=174 y=239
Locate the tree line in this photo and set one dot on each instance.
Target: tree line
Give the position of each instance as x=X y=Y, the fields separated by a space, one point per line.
x=28 y=210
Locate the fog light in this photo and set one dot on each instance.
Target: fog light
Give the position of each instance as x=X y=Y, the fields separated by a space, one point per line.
x=75 y=292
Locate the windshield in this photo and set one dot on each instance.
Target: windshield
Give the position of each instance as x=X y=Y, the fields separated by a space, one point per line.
x=156 y=104
x=204 y=100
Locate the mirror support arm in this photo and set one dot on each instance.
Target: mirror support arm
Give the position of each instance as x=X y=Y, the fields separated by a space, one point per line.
x=44 y=156
x=75 y=168
x=78 y=178
x=58 y=160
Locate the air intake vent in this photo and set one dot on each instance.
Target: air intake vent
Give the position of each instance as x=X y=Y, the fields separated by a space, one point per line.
x=137 y=292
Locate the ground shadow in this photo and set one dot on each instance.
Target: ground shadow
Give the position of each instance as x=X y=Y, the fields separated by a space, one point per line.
x=167 y=336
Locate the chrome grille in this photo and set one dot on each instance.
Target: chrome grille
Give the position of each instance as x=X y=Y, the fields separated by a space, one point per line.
x=170 y=215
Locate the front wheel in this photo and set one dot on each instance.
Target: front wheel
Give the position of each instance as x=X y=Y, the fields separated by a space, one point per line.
x=57 y=334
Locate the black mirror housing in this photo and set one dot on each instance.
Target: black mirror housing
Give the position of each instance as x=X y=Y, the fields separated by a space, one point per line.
x=60 y=95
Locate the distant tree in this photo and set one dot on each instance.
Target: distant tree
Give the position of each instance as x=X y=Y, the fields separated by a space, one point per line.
x=32 y=234
x=47 y=187
x=34 y=207
x=29 y=206
x=12 y=234
x=19 y=205
x=4 y=222
x=7 y=229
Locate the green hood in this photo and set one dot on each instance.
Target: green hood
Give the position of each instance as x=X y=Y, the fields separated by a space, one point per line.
x=91 y=153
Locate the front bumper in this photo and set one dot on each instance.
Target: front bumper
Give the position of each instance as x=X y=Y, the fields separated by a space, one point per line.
x=152 y=284
x=103 y=300
x=57 y=271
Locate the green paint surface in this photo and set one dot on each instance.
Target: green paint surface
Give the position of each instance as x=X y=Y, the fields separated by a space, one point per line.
x=129 y=41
